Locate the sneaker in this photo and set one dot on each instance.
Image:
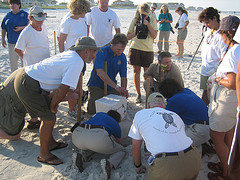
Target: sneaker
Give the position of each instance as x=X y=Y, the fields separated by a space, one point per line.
x=138 y=99
x=105 y=165
x=79 y=162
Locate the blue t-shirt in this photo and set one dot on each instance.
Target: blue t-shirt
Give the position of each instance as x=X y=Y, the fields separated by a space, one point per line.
x=115 y=64
x=110 y=124
x=188 y=106
x=10 y=21
x=165 y=26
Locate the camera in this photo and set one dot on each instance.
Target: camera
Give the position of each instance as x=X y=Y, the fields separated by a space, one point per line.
x=142 y=29
x=176 y=26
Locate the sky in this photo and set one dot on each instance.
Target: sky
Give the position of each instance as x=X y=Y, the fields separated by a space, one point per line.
x=221 y=5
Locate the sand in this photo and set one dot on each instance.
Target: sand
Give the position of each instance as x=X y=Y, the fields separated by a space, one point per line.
x=18 y=159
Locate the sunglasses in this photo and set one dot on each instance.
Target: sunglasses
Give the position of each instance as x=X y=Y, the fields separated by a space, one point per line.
x=153 y=8
x=41 y=14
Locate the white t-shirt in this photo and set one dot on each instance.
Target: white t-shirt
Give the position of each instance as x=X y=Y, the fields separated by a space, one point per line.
x=213 y=49
x=160 y=134
x=74 y=28
x=182 y=20
x=63 y=20
x=152 y=15
x=229 y=62
x=63 y=68
x=102 y=24
x=34 y=44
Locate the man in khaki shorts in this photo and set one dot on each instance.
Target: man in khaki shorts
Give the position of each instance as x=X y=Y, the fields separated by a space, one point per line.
x=28 y=90
x=172 y=156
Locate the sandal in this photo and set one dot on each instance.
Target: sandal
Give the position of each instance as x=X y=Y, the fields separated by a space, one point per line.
x=215 y=176
x=59 y=145
x=53 y=160
x=215 y=167
x=33 y=125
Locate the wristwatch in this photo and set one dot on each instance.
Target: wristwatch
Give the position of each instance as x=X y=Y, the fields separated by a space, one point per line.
x=117 y=86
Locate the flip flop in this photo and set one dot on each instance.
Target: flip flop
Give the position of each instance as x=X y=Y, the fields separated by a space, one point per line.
x=33 y=125
x=53 y=160
x=215 y=176
x=59 y=145
x=215 y=167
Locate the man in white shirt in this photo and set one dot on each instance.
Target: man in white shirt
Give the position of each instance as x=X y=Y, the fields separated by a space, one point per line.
x=102 y=20
x=28 y=90
x=152 y=9
x=33 y=44
x=164 y=134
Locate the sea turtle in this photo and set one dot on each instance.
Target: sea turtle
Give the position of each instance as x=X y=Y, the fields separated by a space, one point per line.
x=169 y=119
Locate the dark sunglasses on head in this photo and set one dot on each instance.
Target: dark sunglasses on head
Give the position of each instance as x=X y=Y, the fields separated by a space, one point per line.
x=41 y=14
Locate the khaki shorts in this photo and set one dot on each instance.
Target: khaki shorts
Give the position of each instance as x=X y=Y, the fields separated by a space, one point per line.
x=12 y=111
x=182 y=34
x=35 y=100
x=140 y=58
x=203 y=82
x=179 y=167
x=222 y=109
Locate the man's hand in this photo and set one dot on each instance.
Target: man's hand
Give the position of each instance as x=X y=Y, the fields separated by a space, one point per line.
x=141 y=169
x=123 y=91
x=54 y=109
x=19 y=28
x=4 y=44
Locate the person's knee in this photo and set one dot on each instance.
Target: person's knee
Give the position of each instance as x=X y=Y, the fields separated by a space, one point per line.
x=48 y=123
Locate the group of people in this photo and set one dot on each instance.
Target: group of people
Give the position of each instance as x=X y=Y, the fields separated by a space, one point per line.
x=180 y=124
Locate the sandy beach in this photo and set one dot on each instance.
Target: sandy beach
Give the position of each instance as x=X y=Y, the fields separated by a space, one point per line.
x=18 y=159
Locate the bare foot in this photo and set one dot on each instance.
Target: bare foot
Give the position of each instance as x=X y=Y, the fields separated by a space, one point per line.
x=4 y=135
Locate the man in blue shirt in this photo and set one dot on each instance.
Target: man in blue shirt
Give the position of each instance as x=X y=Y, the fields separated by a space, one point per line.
x=116 y=63
x=189 y=107
x=101 y=134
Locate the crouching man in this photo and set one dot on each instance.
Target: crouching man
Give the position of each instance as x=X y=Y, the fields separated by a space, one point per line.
x=163 y=131
x=101 y=134
x=28 y=90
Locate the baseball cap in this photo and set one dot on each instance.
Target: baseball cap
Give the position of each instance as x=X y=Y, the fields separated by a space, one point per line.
x=37 y=13
x=227 y=23
x=85 y=42
x=154 y=5
x=157 y=98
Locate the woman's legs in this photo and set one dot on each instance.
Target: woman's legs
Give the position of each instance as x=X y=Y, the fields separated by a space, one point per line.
x=222 y=144
x=160 y=42
x=166 y=40
x=181 y=48
x=136 y=78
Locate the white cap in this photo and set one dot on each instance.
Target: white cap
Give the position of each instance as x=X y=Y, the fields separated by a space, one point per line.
x=37 y=13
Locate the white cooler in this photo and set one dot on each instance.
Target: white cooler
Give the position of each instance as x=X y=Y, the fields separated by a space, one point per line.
x=112 y=102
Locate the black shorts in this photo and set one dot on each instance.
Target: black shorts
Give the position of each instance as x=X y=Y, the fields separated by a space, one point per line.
x=140 y=58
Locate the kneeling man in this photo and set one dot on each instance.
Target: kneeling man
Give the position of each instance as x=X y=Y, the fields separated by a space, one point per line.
x=101 y=134
x=163 y=131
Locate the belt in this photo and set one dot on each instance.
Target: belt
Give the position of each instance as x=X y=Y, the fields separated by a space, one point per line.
x=90 y=126
x=203 y=122
x=172 y=153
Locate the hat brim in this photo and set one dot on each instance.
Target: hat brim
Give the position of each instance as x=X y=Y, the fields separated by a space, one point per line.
x=39 y=18
x=79 y=48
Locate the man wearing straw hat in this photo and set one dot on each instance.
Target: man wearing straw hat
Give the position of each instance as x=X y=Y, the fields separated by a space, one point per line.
x=28 y=90
x=164 y=135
